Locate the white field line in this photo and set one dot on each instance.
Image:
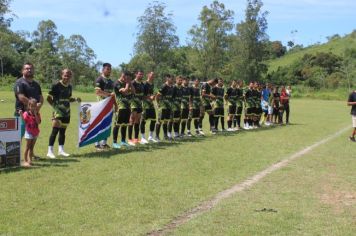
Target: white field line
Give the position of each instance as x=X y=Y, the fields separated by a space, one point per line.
x=209 y=204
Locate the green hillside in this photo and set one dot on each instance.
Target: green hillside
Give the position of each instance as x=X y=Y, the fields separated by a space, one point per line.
x=336 y=46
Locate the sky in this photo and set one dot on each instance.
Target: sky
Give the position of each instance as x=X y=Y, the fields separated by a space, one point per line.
x=110 y=26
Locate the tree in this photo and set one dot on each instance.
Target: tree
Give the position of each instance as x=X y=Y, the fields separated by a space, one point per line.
x=211 y=39
x=44 y=56
x=75 y=54
x=156 y=34
x=5 y=9
x=250 y=41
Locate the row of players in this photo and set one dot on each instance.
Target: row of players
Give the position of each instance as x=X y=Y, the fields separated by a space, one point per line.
x=136 y=103
x=179 y=104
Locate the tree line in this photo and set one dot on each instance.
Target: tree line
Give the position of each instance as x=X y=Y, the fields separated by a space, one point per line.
x=216 y=47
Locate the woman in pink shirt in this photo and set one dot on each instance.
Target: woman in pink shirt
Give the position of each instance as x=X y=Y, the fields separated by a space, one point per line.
x=32 y=119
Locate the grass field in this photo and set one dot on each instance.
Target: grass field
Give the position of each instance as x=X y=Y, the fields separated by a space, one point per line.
x=132 y=192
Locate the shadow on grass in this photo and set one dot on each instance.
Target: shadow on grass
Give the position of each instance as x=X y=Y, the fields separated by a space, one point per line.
x=139 y=148
x=35 y=165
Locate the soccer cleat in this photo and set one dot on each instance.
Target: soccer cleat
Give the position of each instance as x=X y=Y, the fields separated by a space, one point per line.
x=143 y=141
x=63 y=153
x=51 y=155
x=116 y=145
x=230 y=130
x=189 y=134
x=124 y=144
x=201 y=132
x=352 y=139
x=131 y=142
x=152 y=139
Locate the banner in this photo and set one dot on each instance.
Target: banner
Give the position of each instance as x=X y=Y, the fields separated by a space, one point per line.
x=95 y=121
x=10 y=142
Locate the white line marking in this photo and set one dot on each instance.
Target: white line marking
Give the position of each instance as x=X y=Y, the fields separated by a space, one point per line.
x=209 y=204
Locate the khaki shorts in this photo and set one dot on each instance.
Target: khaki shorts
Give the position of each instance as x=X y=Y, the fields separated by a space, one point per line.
x=354 y=121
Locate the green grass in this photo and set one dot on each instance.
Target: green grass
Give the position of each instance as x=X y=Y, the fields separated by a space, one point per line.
x=131 y=192
x=315 y=195
x=336 y=46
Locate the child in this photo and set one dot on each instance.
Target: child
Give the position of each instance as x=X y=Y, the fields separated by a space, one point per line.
x=32 y=119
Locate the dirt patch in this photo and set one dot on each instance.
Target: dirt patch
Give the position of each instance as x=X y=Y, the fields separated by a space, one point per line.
x=339 y=200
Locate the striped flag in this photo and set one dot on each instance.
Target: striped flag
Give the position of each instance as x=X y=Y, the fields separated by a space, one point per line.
x=95 y=121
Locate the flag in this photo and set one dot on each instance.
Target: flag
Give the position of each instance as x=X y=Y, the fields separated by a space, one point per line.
x=95 y=121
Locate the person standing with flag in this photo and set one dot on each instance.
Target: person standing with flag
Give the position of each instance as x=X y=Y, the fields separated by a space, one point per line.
x=60 y=97
x=103 y=88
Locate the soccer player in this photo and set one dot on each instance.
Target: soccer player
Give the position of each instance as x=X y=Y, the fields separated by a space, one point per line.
x=136 y=108
x=352 y=102
x=123 y=90
x=218 y=105
x=149 y=112
x=60 y=97
x=249 y=107
x=164 y=101
x=239 y=104
x=186 y=103
x=176 y=108
x=257 y=101
x=195 y=108
x=231 y=99
x=207 y=97
x=103 y=89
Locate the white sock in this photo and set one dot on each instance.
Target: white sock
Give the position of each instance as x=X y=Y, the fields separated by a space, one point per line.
x=169 y=135
x=60 y=148
x=143 y=136
x=50 y=148
x=151 y=134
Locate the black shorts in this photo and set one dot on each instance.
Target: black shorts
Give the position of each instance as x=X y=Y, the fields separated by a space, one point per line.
x=219 y=111
x=194 y=114
x=259 y=111
x=250 y=111
x=232 y=110
x=208 y=107
x=123 y=116
x=239 y=111
x=63 y=121
x=149 y=114
x=165 y=114
x=176 y=115
x=138 y=110
x=184 y=114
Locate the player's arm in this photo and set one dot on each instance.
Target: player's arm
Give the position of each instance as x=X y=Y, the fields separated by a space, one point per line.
x=351 y=103
x=21 y=94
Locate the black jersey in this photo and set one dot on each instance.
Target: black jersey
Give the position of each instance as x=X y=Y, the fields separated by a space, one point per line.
x=240 y=97
x=207 y=89
x=28 y=89
x=218 y=92
x=177 y=97
x=256 y=98
x=166 y=93
x=231 y=94
x=352 y=98
x=148 y=90
x=196 y=97
x=105 y=84
x=61 y=95
x=249 y=98
x=122 y=100
x=186 y=95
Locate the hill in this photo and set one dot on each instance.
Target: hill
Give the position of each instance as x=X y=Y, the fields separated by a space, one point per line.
x=336 y=45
